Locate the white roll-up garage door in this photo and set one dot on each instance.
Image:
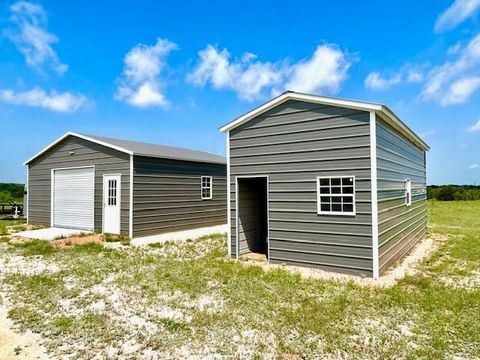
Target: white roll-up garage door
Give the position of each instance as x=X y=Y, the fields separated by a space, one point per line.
x=73 y=198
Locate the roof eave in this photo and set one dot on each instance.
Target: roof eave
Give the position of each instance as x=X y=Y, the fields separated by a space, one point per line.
x=181 y=159
x=70 y=133
x=389 y=115
x=301 y=97
x=402 y=127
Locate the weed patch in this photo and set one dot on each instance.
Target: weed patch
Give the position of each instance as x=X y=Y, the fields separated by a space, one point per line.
x=34 y=247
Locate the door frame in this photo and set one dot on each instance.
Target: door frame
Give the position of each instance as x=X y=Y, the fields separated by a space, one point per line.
x=237 y=240
x=52 y=191
x=119 y=195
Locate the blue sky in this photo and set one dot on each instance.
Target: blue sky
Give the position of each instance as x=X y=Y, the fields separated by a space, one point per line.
x=173 y=72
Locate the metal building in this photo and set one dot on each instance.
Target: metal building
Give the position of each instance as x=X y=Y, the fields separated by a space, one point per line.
x=325 y=182
x=125 y=187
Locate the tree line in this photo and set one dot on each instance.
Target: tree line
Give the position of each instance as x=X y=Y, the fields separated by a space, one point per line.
x=11 y=193
x=453 y=192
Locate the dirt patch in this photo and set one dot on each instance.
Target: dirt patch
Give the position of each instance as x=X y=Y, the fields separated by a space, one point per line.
x=407 y=266
x=18 y=346
x=77 y=240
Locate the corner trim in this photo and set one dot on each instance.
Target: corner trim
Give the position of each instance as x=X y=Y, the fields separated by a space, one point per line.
x=28 y=195
x=373 y=196
x=229 y=211
x=130 y=208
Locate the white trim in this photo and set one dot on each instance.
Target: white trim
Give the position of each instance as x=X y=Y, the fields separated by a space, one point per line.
x=52 y=195
x=374 y=193
x=81 y=137
x=206 y=187
x=130 y=210
x=229 y=212
x=119 y=199
x=28 y=195
x=52 y=191
x=268 y=211
x=336 y=213
x=382 y=110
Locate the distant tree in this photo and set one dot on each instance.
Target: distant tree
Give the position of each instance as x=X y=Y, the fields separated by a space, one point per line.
x=446 y=193
x=5 y=197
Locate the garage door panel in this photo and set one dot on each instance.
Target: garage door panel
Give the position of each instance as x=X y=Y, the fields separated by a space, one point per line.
x=74 y=198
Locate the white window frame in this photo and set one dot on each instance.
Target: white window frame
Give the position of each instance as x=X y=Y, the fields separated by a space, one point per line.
x=408 y=192
x=206 y=187
x=335 y=213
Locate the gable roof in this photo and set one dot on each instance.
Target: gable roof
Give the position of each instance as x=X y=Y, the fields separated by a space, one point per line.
x=381 y=110
x=142 y=149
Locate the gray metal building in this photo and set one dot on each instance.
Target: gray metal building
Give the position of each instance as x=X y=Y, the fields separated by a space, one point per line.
x=120 y=186
x=325 y=182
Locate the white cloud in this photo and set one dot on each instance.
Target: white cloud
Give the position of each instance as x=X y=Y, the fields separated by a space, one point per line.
x=456 y=14
x=32 y=39
x=375 y=81
x=325 y=71
x=140 y=83
x=460 y=91
x=475 y=127
x=250 y=79
x=454 y=82
x=414 y=76
x=474 y=166
x=37 y=97
x=407 y=73
x=428 y=133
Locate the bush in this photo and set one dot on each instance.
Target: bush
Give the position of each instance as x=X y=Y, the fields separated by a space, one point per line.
x=453 y=192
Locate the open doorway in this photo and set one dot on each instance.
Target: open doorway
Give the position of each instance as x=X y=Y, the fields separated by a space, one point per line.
x=252 y=217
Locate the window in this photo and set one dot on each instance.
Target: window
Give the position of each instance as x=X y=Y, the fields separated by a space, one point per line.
x=408 y=192
x=206 y=187
x=112 y=192
x=336 y=195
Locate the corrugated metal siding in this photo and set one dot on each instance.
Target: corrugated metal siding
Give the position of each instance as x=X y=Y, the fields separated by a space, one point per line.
x=399 y=226
x=167 y=197
x=293 y=144
x=106 y=161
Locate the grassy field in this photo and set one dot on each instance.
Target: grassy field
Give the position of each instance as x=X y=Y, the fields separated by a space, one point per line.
x=188 y=300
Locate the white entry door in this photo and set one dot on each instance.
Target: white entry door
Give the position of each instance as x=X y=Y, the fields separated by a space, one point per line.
x=111 y=204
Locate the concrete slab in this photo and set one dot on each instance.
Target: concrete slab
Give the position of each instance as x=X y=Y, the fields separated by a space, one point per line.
x=179 y=235
x=49 y=233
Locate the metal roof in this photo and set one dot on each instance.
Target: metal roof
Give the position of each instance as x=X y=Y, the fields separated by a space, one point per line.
x=381 y=110
x=143 y=149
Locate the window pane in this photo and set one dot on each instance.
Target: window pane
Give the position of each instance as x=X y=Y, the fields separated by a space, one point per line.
x=325 y=207
x=348 y=199
x=325 y=190
x=348 y=189
x=348 y=207
x=336 y=190
x=324 y=182
x=335 y=181
x=336 y=207
x=347 y=181
x=336 y=199
x=325 y=199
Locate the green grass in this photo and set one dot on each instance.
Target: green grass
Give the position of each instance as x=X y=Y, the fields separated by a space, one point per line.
x=8 y=222
x=250 y=313
x=34 y=247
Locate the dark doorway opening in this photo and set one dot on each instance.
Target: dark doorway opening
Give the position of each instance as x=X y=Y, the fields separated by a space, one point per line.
x=253 y=217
